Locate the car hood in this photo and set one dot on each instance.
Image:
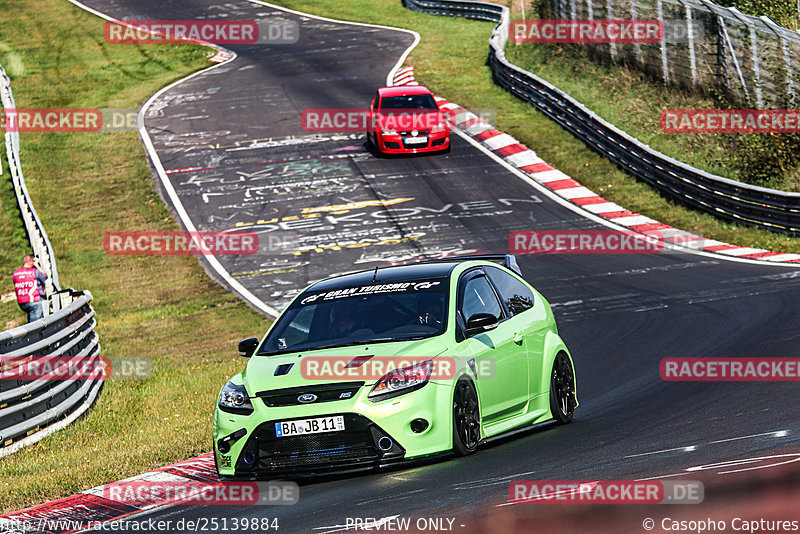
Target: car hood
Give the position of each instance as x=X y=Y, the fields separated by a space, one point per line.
x=264 y=373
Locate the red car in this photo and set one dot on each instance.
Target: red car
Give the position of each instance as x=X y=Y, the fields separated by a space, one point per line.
x=407 y=120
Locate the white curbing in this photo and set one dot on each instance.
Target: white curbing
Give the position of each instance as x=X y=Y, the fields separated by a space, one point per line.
x=551 y=176
x=521 y=159
x=605 y=207
x=500 y=141
x=575 y=192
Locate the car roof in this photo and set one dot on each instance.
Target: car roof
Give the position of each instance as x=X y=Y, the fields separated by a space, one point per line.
x=404 y=90
x=414 y=271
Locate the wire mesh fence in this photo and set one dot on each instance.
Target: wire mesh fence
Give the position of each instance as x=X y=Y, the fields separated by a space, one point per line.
x=752 y=60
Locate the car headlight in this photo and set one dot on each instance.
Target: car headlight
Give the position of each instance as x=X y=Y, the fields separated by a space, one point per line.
x=234 y=399
x=389 y=131
x=401 y=381
x=439 y=128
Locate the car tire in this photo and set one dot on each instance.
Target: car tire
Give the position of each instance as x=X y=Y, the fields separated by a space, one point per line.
x=466 y=418
x=372 y=146
x=562 y=390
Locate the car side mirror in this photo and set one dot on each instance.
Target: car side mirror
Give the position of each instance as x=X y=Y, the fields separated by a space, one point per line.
x=248 y=346
x=479 y=323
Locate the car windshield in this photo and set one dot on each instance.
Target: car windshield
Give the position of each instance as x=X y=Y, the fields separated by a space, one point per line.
x=374 y=313
x=409 y=102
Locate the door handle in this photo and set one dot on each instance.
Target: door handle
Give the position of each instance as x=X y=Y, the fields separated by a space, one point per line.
x=518 y=338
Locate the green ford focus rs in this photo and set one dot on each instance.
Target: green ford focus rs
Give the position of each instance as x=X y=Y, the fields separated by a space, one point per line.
x=394 y=364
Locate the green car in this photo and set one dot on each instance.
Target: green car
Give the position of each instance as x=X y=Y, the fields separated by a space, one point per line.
x=394 y=364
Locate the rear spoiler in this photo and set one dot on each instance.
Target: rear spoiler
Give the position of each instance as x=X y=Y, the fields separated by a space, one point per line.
x=509 y=260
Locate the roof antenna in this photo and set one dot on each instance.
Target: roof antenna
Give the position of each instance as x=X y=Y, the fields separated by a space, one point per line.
x=374 y=275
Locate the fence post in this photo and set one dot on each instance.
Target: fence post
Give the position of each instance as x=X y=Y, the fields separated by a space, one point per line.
x=754 y=55
x=664 y=60
x=756 y=66
x=609 y=16
x=637 y=46
x=729 y=46
x=722 y=55
x=690 y=43
x=787 y=58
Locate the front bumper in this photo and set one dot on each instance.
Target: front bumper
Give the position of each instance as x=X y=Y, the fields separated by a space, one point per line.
x=362 y=445
x=375 y=435
x=397 y=144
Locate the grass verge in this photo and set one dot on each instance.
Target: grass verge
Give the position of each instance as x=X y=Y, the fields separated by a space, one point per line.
x=84 y=185
x=13 y=245
x=451 y=61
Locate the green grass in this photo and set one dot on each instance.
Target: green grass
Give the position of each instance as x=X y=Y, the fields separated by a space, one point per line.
x=451 y=61
x=161 y=307
x=784 y=12
x=13 y=246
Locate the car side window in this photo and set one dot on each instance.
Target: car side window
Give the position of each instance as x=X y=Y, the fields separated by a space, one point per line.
x=516 y=296
x=479 y=298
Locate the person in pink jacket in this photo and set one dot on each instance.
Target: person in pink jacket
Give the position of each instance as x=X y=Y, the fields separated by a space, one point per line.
x=29 y=286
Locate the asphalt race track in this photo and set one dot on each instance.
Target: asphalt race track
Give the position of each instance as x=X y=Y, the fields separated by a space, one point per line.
x=231 y=143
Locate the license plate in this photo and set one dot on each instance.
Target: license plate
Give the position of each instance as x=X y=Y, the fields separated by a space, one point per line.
x=423 y=140
x=301 y=427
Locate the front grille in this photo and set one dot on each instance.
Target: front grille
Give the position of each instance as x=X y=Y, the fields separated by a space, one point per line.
x=419 y=132
x=324 y=392
x=355 y=446
x=415 y=145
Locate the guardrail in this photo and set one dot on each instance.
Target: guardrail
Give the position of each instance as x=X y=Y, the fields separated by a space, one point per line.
x=33 y=409
x=728 y=199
